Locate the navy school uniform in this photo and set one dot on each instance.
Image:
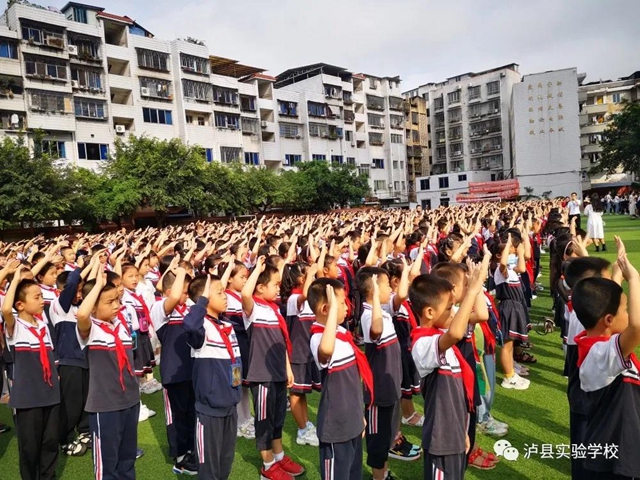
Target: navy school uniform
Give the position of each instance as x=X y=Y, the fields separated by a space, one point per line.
x=404 y=321
x=143 y=356
x=234 y=316
x=35 y=396
x=386 y=365
x=217 y=381
x=305 y=371
x=175 y=373
x=339 y=427
x=113 y=402
x=267 y=370
x=72 y=364
x=612 y=386
x=514 y=316
x=445 y=410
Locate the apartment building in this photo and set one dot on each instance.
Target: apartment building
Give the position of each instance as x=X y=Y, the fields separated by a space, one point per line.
x=417 y=136
x=545 y=133
x=86 y=76
x=599 y=101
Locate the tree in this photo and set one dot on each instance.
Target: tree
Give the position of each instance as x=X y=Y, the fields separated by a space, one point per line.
x=333 y=185
x=621 y=142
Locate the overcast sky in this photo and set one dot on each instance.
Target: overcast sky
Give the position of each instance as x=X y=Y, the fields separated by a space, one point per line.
x=420 y=40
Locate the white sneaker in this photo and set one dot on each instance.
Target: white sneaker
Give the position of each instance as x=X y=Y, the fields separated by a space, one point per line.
x=247 y=430
x=501 y=425
x=152 y=386
x=520 y=370
x=144 y=413
x=307 y=437
x=152 y=413
x=516 y=382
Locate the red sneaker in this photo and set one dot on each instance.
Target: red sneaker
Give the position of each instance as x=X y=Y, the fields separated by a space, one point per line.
x=276 y=472
x=292 y=468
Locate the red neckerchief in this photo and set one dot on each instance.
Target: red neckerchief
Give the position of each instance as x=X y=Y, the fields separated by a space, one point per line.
x=585 y=343
x=123 y=321
x=473 y=344
x=44 y=356
x=50 y=289
x=281 y=321
x=570 y=305
x=142 y=303
x=72 y=265
x=489 y=337
x=468 y=377
x=181 y=309
x=412 y=318
x=234 y=295
x=494 y=309
x=296 y=291
x=224 y=331
x=361 y=359
x=121 y=353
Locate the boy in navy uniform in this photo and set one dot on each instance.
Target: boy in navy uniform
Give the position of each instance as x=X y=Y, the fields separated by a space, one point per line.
x=270 y=371
x=342 y=364
x=610 y=371
x=447 y=379
x=167 y=317
x=35 y=392
x=113 y=402
x=217 y=377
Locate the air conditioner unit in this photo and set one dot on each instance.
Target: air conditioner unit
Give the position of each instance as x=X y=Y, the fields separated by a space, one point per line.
x=496 y=110
x=263 y=124
x=298 y=137
x=120 y=129
x=72 y=49
x=74 y=83
x=353 y=144
x=457 y=153
x=145 y=92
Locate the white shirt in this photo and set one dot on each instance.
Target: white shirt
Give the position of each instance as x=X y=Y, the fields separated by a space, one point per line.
x=574 y=207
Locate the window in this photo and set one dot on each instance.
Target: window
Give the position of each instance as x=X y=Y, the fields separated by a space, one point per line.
x=396 y=185
x=462 y=178
x=373 y=83
x=334 y=132
x=317 y=109
x=318 y=130
x=379 y=185
x=438 y=103
x=443 y=182
x=80 y=15
x=414 y=118
x=152 y=115
x=615 y=98
x=415 y=136
x=53 y=148
x=37 y=35
x=50 y=102
x=331 y=91
x=321 y=158
x=88 y=50
x=250 y=125
x=363 y=170
x=86 y=108
x=347 y=98
x=153 y=60
x=337 y=159
x=252 y=158
x=456 y=149
x=474 y=92
x=192 y=64
x=291 y=159
x=453 y=97
x=225 y=96
x=351 y=161
x=8 y=49
x=197 y=90
x=208 y=153
x=424 y=184
x=201 y=121
x=395 y=138
x=230 y=154
x=375 y=103
x=227 y=120
x=375 y=139
x=493 y=88
x=289 y=109
x=45 y=67
x=396 y=121
x=348 y=135
x=248 y=103
x=93 y=151
x=594 y=157
x=599 y=100
x=289 y=130
x=395 y=164
x=87 y=78
x=377 y=163
x=455 y=115
x=375 y=121
x=154 y=87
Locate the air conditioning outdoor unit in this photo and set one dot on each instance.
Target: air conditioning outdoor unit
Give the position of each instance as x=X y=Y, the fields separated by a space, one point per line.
x=73 y=49
x=120 y=129
x=496 y=110
x=263 y=124
x=74 y=83
x=145 y=92
x=353 y=144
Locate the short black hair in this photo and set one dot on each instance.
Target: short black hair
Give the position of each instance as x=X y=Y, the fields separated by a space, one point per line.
x=61 y=279
x=196 y=286
x=594 y=298
x=584 y=267
x=427 y=290
x=450 y=271
x=265 y=277
x=21 y=290
x=317 y=293
x=169 y=279
x=363 y=279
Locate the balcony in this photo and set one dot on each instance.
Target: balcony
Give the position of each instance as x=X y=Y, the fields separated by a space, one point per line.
x=438 y=160
x=438 y=106
x=349 y=116
x=439 y=125
x=13 y=121
x=396 y=104
x=454 y=120
x=595 y=109
x=456 y=153
x=439 y=169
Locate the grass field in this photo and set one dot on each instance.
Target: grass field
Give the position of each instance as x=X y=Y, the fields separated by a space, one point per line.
x=536 y=416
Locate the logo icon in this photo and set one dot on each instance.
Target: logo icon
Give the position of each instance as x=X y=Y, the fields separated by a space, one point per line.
x=504 y=449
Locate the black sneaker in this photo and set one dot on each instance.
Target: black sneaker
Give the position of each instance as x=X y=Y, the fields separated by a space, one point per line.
x=405 y=450
x=74 y=449
x=139 y=453
x=188 y=465
x=85 y=439
x=4 y=428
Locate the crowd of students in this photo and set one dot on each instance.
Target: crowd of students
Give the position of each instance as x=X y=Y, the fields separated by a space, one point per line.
x=247 y=319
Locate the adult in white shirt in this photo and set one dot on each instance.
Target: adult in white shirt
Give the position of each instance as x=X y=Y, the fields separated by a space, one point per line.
x=595 y=225
x=574 y=206
x=633 y=198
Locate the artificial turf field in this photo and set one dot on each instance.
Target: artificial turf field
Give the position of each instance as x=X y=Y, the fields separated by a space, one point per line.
x=537 y=416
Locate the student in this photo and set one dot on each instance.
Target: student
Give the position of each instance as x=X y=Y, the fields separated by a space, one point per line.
x=69 y=256
x=269 y=369
x=153 y=275
x=609 y=370
x=342 y=364
x=113 y=402
x=237 y=280
x=306 y=376
x=167 y=316
x=447 y=379
x=35 y=391
x=217 y=377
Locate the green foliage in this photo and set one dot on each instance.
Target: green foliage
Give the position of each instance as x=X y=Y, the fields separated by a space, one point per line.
x=161 y=175
x=621 y=142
